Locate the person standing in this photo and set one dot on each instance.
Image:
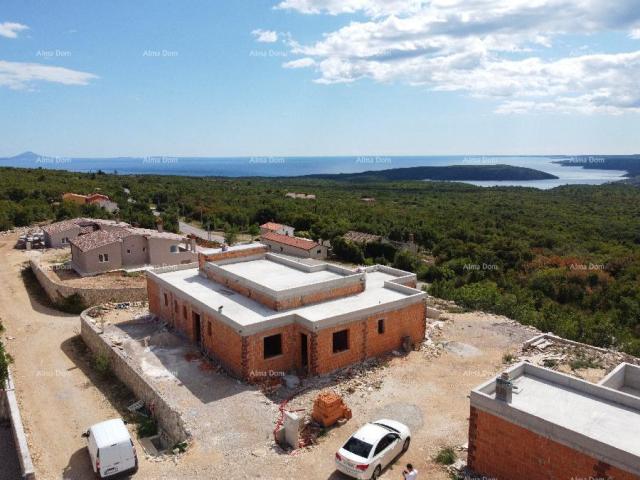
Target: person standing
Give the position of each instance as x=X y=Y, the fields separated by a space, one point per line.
x=410 y=473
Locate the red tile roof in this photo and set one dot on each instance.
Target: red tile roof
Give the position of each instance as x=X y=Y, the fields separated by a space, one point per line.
x=99 y=238
x=272 y=226
x=297 y=242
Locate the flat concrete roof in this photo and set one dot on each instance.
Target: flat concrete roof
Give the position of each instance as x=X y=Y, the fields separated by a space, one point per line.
x=278 y=276
x=248 y=316
x=582 y=415
x=608 y=422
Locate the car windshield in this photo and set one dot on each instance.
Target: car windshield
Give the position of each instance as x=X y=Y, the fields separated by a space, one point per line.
x=358 y=447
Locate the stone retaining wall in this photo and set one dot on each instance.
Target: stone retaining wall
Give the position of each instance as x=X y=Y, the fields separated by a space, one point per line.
x=57 y=291
x=170 y=422
x=9 y=410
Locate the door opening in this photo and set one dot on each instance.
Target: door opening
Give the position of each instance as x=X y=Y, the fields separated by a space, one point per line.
x=197 y=335
x=304 y=352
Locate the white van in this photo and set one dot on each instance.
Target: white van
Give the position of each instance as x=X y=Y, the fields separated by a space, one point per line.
x=111 y=449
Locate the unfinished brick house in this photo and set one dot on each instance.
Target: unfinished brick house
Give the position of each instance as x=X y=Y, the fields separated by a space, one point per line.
x=539 y=424
x=261 y=314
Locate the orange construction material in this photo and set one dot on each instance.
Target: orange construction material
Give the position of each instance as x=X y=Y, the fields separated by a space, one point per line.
x=328 y=408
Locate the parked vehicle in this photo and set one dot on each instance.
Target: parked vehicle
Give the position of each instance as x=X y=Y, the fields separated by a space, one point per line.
x=372 y=448
x=111 y=449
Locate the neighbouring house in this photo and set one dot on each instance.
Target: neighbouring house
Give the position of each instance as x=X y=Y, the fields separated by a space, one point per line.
x=105 y=250
x=535 y=423
x=296 y=246
x=260 y=314
x=99 y=199
x=362 y=237
x=276 y=228
x=59 y=234
x=302 y=196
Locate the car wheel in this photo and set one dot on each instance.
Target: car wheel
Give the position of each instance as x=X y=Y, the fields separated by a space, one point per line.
x=376 y=473
x=407 y=442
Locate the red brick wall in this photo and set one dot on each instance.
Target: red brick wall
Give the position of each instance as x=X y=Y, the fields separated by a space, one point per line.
x=243 y=355
x=366 y=342
x=216 y=257
x=153 y=294
x=409 y=321
x=224 y=344
x=289 y=359
x=321 y=296
x=502 y=450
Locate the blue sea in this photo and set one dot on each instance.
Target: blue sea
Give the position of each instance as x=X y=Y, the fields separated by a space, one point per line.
x=295 y=166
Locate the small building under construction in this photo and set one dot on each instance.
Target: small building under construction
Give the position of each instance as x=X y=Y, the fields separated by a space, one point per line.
x=539 y=424
x=261 y=314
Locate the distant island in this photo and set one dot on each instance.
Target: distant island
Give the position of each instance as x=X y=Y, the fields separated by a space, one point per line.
x=452 y=172
x=630 y=163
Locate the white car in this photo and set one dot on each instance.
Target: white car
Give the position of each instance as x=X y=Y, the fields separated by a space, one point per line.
x=372 y=448
x=111 y=449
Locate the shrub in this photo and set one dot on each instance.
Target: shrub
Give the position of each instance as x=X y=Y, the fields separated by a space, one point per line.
x=102 y=364
x=5 y=360
x=147 y=427
x=74 y=303
x=446 y=456
x=508 y=358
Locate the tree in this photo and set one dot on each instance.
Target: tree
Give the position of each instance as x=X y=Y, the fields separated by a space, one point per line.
x=405 y=260
x=347 y=251
x=230 y=235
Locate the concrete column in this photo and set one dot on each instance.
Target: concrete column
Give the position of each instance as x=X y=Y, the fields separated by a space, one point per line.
x=313 y=354
x=245 y=358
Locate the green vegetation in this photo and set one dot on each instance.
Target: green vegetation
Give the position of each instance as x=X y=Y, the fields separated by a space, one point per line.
x=565 y=260
x=582 y=361
x=74 y=303
x=102 y=364
x=180 y=446
x=147 y=426
x=508 y=357
x=446 y=456
x=5 y=361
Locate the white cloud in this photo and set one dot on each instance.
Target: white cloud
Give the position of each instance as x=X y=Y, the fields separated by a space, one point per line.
x=635 y=34
x=18 y=75
x=265 y=36
x=11 y=29
x=373 y=8
x=300 y=63
x=486 y=48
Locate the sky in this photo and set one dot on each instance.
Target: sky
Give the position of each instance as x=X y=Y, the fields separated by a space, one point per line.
x=319 y=77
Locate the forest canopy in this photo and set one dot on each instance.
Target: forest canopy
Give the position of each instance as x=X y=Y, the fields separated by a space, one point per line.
x=565 y=260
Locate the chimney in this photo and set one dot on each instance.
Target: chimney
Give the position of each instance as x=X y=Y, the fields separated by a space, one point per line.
x=504 y=388
x=160 y=225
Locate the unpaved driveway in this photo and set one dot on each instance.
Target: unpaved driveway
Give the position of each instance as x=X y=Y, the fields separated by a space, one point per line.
x=59 y=399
